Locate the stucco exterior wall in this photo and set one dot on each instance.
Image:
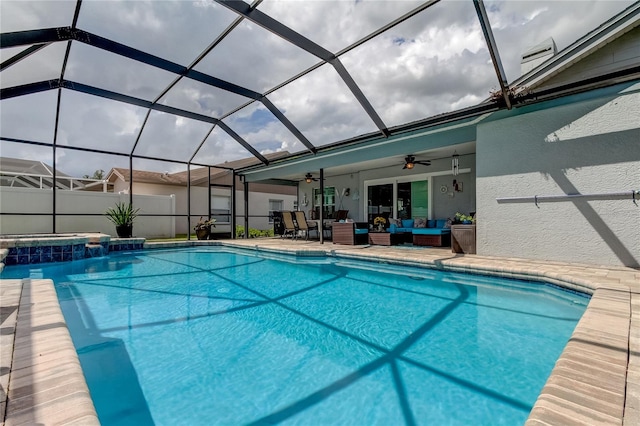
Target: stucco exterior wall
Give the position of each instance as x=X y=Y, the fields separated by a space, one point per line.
x=444 y=204
x=619 y=54
x=590 y=147
x=258 y=204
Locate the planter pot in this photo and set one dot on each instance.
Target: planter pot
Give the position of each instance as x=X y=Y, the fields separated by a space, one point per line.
x=203 y=234
x=124 y=231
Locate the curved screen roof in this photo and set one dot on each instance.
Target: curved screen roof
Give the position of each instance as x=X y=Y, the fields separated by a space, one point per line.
x=210 y=81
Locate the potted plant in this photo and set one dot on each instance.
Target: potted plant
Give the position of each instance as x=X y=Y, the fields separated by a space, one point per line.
x=203 y=228
x=380 y=222
x=123 y=215
x=464 y=219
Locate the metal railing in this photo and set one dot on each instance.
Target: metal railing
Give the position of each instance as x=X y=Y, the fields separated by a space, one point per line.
x=633 y=195
x=38 y=181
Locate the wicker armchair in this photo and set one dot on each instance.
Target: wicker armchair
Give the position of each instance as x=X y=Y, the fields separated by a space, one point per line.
x=350 y=233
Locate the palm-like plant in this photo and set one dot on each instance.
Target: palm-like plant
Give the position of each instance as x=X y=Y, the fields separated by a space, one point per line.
x=122 y=214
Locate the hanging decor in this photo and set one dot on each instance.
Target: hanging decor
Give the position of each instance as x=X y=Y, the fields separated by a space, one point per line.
x=455 y=165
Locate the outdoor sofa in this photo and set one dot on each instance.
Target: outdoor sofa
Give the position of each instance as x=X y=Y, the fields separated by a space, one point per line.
x=432 y=232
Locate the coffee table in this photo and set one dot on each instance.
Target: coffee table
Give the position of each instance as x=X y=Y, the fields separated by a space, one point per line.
x=385 y=238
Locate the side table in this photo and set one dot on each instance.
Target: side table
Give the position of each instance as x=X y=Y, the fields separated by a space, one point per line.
x=463 y=239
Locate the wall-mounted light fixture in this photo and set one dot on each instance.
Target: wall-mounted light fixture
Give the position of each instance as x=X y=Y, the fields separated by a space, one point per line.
x=455 y=164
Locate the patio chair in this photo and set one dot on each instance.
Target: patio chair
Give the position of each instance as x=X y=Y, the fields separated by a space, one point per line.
x=328 y=228
x=341 y=215
x=350 y=233
x=303 y=225
x=289 y=226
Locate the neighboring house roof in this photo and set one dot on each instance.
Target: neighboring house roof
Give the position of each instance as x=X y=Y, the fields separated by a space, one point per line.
x=143 y=176
x=613 y=29
x=19 y=173
x=17 y=165
x=198 y=175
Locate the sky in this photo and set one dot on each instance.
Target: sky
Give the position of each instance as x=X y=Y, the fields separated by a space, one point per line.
x=434 y=62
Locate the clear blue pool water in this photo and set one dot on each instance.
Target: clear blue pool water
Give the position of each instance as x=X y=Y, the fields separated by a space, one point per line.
x=207 y=336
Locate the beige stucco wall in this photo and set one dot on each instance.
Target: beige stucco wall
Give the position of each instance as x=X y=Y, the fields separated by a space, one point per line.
x=590 y=147
x=258 y=204
x=443 y=204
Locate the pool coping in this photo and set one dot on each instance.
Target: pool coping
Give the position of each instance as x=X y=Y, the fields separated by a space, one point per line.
x=596 y=378
x=45 y=383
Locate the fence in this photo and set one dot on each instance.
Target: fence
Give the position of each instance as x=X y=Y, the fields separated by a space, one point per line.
x=28 y=211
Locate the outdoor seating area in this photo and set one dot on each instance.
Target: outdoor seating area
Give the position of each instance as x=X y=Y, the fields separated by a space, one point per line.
x=423 y=232
x=340 y=230
x=294 y=224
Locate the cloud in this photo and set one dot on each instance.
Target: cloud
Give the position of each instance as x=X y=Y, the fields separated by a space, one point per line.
x=434 y=62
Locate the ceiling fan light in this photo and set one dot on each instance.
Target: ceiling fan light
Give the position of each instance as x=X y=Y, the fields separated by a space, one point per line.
x=410 y=165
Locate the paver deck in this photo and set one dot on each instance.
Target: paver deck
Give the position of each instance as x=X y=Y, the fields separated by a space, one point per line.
x=596 y=380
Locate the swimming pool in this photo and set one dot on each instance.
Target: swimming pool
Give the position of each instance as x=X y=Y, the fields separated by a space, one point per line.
x=212 y=336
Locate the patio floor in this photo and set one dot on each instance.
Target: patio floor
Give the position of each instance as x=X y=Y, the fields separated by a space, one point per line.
x=596 y=379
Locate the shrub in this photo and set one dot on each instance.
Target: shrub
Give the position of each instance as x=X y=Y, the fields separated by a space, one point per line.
x=253 y=233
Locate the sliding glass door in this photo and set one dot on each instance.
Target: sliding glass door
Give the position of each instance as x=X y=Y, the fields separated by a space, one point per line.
x=399 y=199
x=380 y=202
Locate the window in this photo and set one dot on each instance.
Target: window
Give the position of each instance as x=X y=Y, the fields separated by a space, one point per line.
x=275 y=206
x=329 y=201
x=221 y=208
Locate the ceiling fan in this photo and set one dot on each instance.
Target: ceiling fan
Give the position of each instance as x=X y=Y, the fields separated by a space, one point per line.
x=410 y=162
x=309 y=178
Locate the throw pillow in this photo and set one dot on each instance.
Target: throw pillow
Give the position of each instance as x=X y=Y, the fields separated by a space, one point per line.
x=407 y=223
x=395 y=222
x=419 y=222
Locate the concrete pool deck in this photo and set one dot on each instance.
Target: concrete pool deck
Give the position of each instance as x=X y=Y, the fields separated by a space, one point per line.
x=596 y=380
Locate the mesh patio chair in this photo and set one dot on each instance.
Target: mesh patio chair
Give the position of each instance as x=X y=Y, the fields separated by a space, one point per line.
x=341 y=215
x=303 y=225
x=290 y=227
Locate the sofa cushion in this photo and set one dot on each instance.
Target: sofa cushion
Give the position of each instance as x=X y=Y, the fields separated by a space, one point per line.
x=419 y=222
x=407 y=223
x=440 y=223
x=431 y=223
x=430 y=231
x=359 y=231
